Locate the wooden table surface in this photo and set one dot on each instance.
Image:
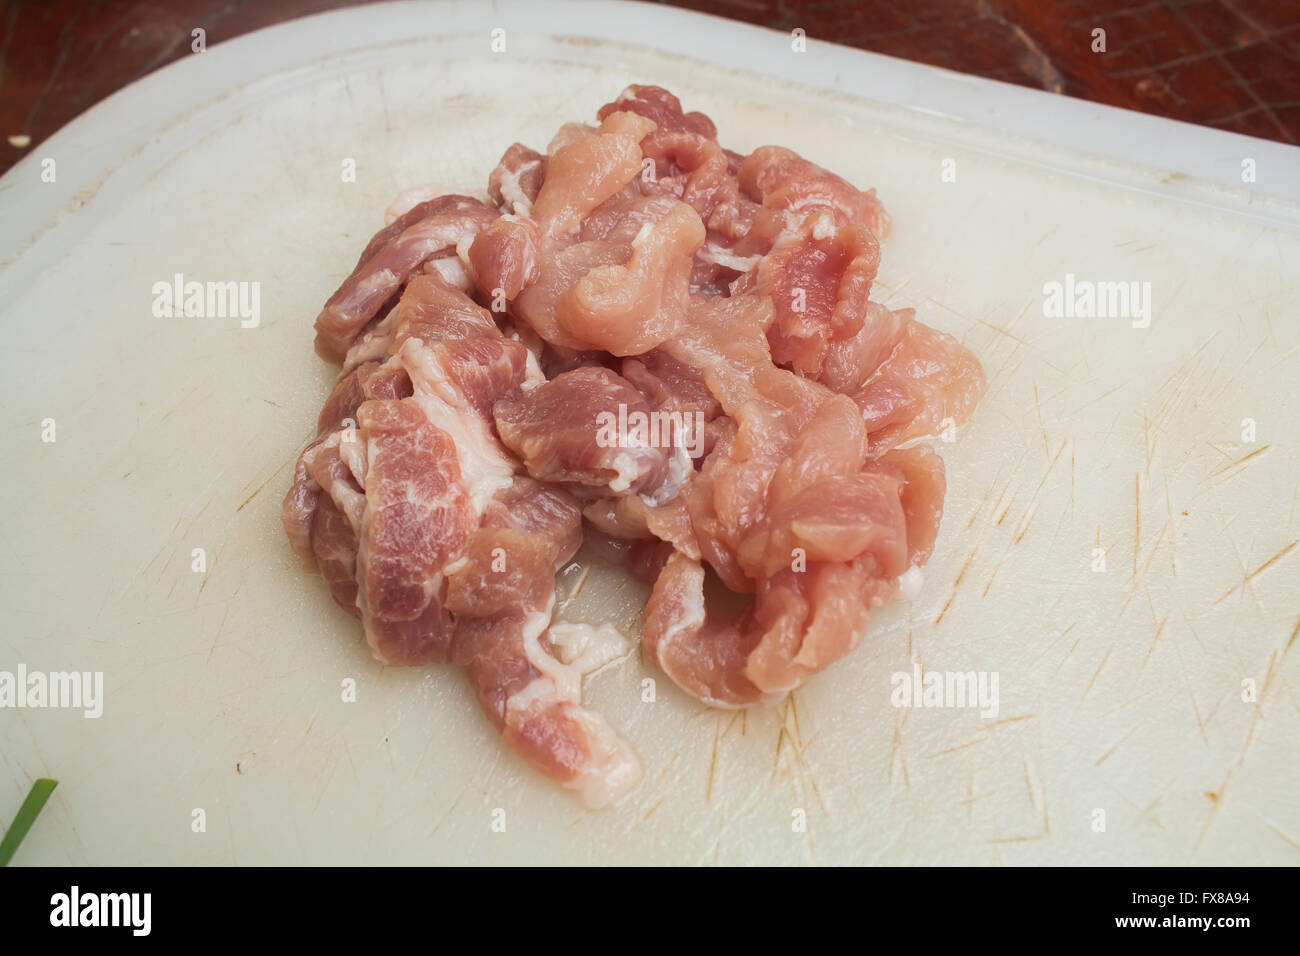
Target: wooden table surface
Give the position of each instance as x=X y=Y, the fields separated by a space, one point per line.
x=1231 y=64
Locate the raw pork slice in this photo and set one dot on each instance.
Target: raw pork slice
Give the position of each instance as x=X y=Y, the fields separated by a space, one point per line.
x=645 y=341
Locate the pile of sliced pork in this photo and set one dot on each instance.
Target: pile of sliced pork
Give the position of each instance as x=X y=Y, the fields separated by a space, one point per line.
x=501 y=358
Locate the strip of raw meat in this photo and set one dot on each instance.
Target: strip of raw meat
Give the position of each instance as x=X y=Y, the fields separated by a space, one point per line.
x=621 y=217
x=670 y=385
x=430 y=309
x=779 y=178
x=928 y=382
x=692 y=167
x=704 y=655
x=334 y=547
x=920 y=472
x=584 y=173
x=517 y=179
x=568 y=430
x=527 y=531
x=367 y=381
x=785 y=510
x=657 y=104
x=418 y=518
x=798 y=624
x=820 y=506
x=442 y=223
x=504 y=257
x=630 y=517
x=559 y=270
x=408 y=199
x=819 y=279
x=851 y=362
x=682 y=353
x=630 y=308
x=503 y=595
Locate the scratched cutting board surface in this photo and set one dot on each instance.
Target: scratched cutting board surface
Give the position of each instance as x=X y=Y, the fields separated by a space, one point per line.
x=1120 y=690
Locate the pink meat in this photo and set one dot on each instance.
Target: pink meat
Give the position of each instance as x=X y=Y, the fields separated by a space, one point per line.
x=502 y=596
x=819 y=279
x=782 y=179
x=438 y=227
x=928 y=383
x=567 y=431
x=665 y=110
x=583 y=174
x=418 y=519
x=517 y=179
x=504 y=257
x=560 y=268
x=493 y=356
x=631 y=307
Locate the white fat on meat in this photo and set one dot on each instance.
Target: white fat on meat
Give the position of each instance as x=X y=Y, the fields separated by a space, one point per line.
x=371 y=347
x=614 y=768
x=408 y=199
x=316 y=460
x=354 y=456
x=530 y=340
x=626 y=470
x=484 y=467
x=379 y=280
x=513 y=196
x=566 y=681
x=587 y=647
x=693 y=614
x=453 y=270
x=910 y=583
x=823 y=226
x=710 y=252
x=680 y=469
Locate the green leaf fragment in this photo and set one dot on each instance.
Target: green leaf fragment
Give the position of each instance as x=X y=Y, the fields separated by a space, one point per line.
x=27 y=815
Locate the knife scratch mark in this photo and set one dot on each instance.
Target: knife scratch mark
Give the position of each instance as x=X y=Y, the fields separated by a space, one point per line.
x=1030 y=508
x=713 y=761
x=1173 y=540
x=1240 y=461
x=1115 y=746
x=1038 y=408
x=217 y=637
x=1281 y=554
x=265 y=483
x=955 y=584
x=1154 y=640
x=1097 y=673
x=1137 y=521
x=1056 y=640
x=1146 y=566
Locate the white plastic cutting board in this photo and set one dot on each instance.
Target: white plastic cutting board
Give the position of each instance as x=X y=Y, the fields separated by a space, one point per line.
x=1120 y=691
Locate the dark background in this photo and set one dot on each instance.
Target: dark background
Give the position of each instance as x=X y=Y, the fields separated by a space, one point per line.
x=1231 y=64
